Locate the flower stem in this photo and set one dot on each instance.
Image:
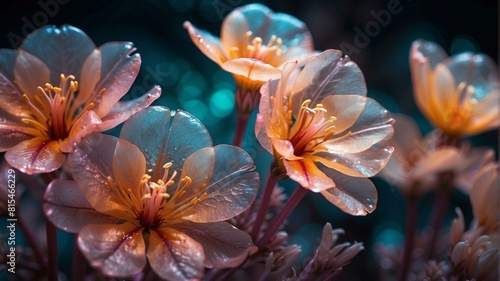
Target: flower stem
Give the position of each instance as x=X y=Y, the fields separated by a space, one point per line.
x=32 y=242
x=263 y=206
x=241 y=125
x=52 y=266
x=445 y=181
x=290 y=205
x=79 y=262
x=410 y=229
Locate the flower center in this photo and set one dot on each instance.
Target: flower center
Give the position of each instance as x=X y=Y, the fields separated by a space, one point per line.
x=311 y=127
x=152 y=206
x=256 y=50
x=459 y=112
x=53 y=108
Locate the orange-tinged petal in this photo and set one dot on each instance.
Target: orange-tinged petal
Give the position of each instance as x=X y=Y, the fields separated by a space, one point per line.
x=174 y=255
x=308 y=175
x=346 y=108
x=116 y=249
x=444 y=95
x=37 y=155
x=91 y=164
x=91 y=74
x=233 y=30
x=484 y=197
x=223 y=244
x=12 y=131
x=128 y=167
x=66 y=207
x=85 y=125
x=30 y=73
x=485 y=115
x=252 y=69
x=207 y=43
x=444 y=159
x=355 y=196
x=12 y=100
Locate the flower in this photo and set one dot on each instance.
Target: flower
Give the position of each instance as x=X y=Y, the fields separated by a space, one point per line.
x=323 y=131
x=159 y=191
x=417 y=161
x=57 y=88
x=459 y=94
x=254 y=45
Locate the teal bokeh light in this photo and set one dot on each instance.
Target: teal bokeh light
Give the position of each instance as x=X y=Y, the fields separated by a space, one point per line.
x=222 y=103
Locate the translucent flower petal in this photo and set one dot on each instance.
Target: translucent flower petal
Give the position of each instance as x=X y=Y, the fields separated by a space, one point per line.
x=484 y=197
x=174 y=255
x=37 y=155
x=355 y=196
x=233 y=30
x=30 y=73
x=85 y=125
x=12 y=131
x=12 y=101
x=122 y=110
x=63 y=50
x=207 y=43
x=406 y=136
x=485 y=115
x=128 y=167
x=443 y=159
x=308 y=175
x=477 y=70
x=252 y=69
x=91 y=74
x=363 y=164
x=223 y=244
x=66 y=207
x=91 y=163
x=327 y=74
x=443 y=91
x=116 y=249
x=346 y=108
x=428 y=51
x=232 y=187
x=118 y=71
x=165 y=136
x=370 y=127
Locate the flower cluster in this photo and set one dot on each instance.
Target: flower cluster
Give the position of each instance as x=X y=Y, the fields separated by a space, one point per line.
x=160 y=200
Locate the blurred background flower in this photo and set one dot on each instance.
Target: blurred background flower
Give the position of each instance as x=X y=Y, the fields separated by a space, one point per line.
x=377 y=34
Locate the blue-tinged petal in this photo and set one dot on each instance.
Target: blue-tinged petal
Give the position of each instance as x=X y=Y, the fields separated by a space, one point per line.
x=119 y=69
x=165 y=136
x=174 y=255
x=232 y=187
x=223 y=244
x=117 y=250
x=63 y=49
x=122 y=110
x=327 y=74
x=91 y=164
x=355 y=196
x=428 y=51
x=67 y=208
x=36 y=155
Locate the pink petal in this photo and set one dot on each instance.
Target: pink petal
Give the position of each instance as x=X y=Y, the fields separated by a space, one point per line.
x=118 y=71
x=174 y=255
x=363 y=164
x=327 y=74
x=285 y=149
x=231 y=188
x=66 y=207
x=128 y=167
x=12 y=131
x=484 y=197
x=308 y=175
x=30 y=73
x=373 y=125
x=252 y=69
x=223 y=244
x=165 y=136
x=207 y=43
x=13 y=102
x=91 y=163
x=63 y=50
x=116 y=249
x=85 y=125
x=474 y=160
x=121 y=111
x=406 y=136
x=355 y=196
x=91 y=74
x=37 y=155
x=443 y=159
